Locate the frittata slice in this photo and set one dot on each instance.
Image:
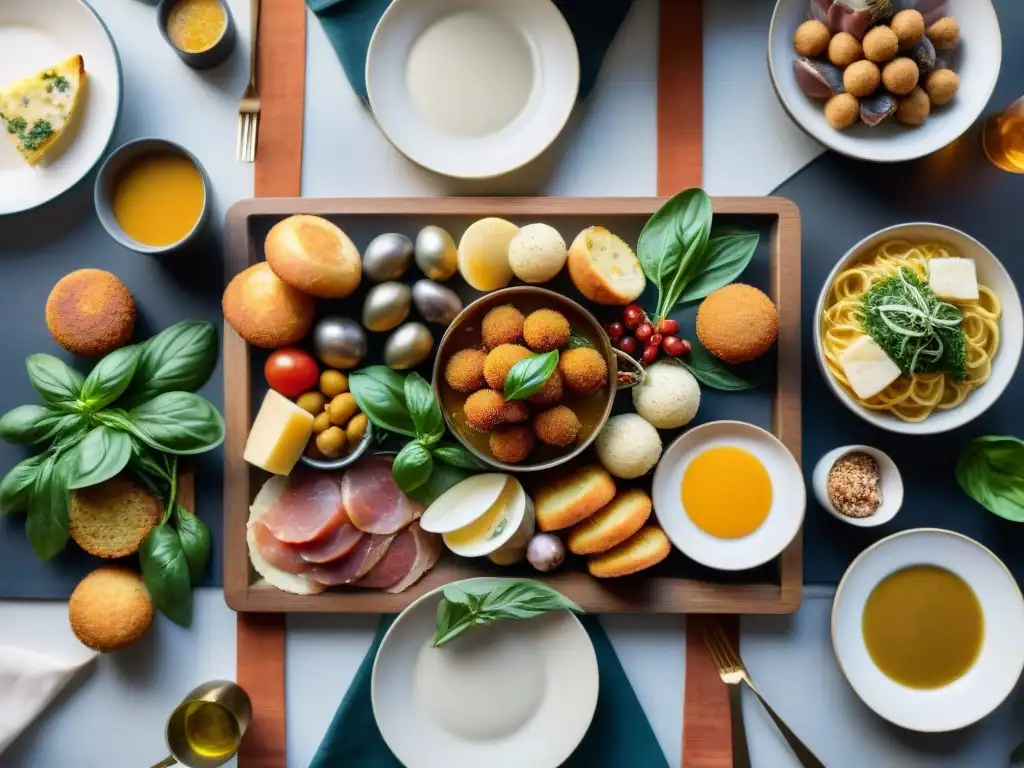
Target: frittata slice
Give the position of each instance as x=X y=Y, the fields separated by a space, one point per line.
x=35 y=111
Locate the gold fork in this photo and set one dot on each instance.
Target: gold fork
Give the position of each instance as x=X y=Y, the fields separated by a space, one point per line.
x=733 y=673
x=249 y=106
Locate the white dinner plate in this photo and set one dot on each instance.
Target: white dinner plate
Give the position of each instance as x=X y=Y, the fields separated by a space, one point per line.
x=786 y=515
x=472 y=88
x=506 y=695
x=994 y=673
x=34 y=36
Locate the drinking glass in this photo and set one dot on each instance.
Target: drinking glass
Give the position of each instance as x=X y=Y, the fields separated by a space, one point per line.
x=1003 y=138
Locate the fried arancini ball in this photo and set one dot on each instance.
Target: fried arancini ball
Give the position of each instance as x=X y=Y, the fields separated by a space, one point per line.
x=500 y=361
x=557 y=426
x=811 y=38
x=584 y=370
x=465 y=370
x=110 y=609
x=944 y=33
x=941 y=86
x=511 y=444
x=90 y=312
x=502 y=325
x=842 y=110
x=545 y=330
x=552 y=391
x=485 y=410
x=862 y=78
x=844 y=49
x=915 y=108
x=880 y=44
x=900 y=76
x=737 y=323
x=909 y=28
x=516 y=412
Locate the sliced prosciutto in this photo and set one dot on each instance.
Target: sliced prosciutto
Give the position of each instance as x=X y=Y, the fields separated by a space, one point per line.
x=411 y=554
x=353 y=566
x=337 y=543
x=280 y=555
x=375 y=504
x=309 y=507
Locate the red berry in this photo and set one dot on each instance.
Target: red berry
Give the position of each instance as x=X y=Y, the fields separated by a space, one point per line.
x=643 y=333
x=668 y=326
x=627 y=344
x=674 y=346
x=650 y=354
x=655 y=339
x=614 y=330
x=633 y=316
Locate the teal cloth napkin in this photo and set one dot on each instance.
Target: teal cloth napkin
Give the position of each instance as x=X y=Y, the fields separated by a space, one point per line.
x=349 y=24
x=619 y=735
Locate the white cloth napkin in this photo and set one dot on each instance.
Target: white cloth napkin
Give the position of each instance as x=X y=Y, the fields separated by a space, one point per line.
x=28 y=683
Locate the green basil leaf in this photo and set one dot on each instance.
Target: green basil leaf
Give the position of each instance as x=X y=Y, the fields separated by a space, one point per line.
x=178 y=359
x=712 y=372
x=166 y=574
x=181 y=423
x=576 y=341
x=109 y=378
x=55 y=381
x=725 y=258
x=380 y=394
x=990 y=470
x=424 y=409
x=117 y=418
x=529 y=375
x=525 y=598
x=101 y=455
x=47 y=523
x=443 y=477
x=16 y=487
x=452 y=620
x=195 y=541
x=30 y=424
x=412 y=466
x=456 y=456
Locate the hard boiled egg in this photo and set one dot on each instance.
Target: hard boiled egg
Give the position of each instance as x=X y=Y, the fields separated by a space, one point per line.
x=515 y=548
x=474 y=520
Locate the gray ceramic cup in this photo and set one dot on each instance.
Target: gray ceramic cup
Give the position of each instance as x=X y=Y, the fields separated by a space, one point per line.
x=106 y=183
x=214 y=55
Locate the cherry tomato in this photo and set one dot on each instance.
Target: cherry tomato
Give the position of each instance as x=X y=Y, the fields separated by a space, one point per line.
x=675 y=346
x=291 y=371
x=650 y=354
x=643 y=333
x=655 y=340
x=668 y=327
x=614 y=330
x=633 y=316
x=627 y=344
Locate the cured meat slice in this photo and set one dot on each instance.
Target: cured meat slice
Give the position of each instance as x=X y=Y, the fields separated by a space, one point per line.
x=353 y=566
x=411 y=554
x=296 y=583
x=375 y=504
x=309 y=507
x=282 y=556
x=337 y=543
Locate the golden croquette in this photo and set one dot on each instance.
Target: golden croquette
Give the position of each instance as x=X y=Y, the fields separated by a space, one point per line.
x=557 y=426
x=110 y=609
x=90 y=312
x=552 y=391
x=584 y=370
x=502 y=325
x=737 y=323
x=516 y=412
x=500 y=361
x=485 y=410
x=511 y=444
x=465 y=370
x=545 y=330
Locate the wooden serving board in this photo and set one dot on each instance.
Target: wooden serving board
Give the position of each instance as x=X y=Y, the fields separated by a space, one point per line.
x=675 y=586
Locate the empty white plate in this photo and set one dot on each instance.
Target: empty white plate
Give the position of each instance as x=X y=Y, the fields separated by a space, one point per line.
x=32 y=39
x=472 y=88
x=506 y=695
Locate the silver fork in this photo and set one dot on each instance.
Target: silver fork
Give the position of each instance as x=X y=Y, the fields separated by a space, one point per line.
x=733 y=673
x=249 y=106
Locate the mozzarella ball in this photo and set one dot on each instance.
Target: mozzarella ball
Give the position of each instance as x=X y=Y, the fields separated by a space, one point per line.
x=668 y=397
x=537 y=253
x=628 y=446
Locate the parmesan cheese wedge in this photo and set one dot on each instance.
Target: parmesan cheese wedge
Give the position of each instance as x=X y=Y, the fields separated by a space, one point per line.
x=953 y=279
x=35 y=111
x=868 y=369
x=279 y=435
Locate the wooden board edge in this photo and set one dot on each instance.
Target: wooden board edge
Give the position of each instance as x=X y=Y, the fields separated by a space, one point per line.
x=680 y=106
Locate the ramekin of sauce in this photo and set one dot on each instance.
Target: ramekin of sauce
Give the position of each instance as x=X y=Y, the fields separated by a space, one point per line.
x=201 y=32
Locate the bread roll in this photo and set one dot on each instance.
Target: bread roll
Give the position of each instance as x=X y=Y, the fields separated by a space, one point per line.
x=612 y=524
x=483 y=254
x=643 y=549
x=266 y=311
x=314 y=256
x=604 y=268
x=573 y=497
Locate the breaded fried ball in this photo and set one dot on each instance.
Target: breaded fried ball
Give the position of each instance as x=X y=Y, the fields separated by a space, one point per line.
x=944 y=33
x=500 y=361
x=811 y=38
x=941 y=86
x=584 y=370
x=842 y=110
x=880 y=44
x=909 y=28
x=110 y=609
x=465 y=370
x=557 y=426
x=844 y=49
x=511 y=444
x=862 y=78
x=502 y=325
x=90 y=312
x=485 y=410
x=552 y=391
x=737 y=323
x=900 y=76
x=915 y=108
x=545 y=330
x=516 y=412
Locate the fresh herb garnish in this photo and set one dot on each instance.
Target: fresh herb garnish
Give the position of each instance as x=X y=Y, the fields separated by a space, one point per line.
x=529 y=375
x=712 y=372
x=576 y=341
x=60 y=83
x=15 y=124
x=991 y=471
x=920 y=333
x=41 y=130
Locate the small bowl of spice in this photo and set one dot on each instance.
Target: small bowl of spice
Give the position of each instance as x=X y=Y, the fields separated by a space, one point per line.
x=859 y=485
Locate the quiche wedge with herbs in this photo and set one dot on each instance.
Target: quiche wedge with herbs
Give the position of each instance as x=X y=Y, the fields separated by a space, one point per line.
x=35 y=111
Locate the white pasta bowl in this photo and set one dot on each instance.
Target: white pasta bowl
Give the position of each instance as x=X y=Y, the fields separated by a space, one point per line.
x=991 y=273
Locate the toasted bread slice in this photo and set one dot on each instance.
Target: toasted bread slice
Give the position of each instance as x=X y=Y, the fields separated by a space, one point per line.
x=34 y=112
x=612 y=524
x=604 y=268
x=574 y=497
x=644 y=549
x=111 y=519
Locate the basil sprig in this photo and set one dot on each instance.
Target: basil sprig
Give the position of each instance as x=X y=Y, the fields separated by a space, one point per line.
x=469 y=604
x=991 y=471
x=712 y=372
x=529 y=375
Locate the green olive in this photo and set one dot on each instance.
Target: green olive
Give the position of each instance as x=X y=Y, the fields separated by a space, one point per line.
x=333 y=383
x=331 y=442
x=355 y=430
x=342 y=408
x=321 y=422
x=313 y=402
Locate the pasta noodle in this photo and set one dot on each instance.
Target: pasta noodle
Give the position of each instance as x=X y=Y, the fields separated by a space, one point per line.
x=912 y=397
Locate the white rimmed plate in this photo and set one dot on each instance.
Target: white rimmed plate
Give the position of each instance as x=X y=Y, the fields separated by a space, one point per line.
x=506 y=695
x=998 y=666
x=1011 y=327
x=480 y=108
x=31 y=39
x=789 y=499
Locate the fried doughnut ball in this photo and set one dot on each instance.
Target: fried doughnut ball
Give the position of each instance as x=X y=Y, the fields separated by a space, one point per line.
x=737 y=323
x=811 y=38
x=552 y=391
x=110 y=609
x=500 y=361
x=516 y=412
x=584 y=370
x=944 y=33
x=90 y=312
x=485 y=410
x=900 y=76
x=862 y=78
x=941 y=86
x=545 y=330
x=511 y=444
x=909 y=28
x=880 y=44
x=844 y=49
x=557 y=426
x=915 y=108
x=842 y=110
x=502 y=325
x=465 y=370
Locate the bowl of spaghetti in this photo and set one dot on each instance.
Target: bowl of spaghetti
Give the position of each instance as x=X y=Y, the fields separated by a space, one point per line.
x=919 y=329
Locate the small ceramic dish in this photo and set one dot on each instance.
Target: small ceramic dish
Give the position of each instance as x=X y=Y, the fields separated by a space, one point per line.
x=992 y=676
x=343 y=462
x=106 y=185
x=780 y=527
x=891 y=486
x=505 y=695
x=209 y=57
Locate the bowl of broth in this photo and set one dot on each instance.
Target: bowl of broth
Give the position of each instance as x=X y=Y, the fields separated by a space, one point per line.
x=927 y=627
x=152 y=196
x=201 y=32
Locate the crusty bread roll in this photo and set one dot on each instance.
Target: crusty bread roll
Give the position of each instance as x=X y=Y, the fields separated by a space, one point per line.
x=314 y=256
x=574 y=497
x=110 y=609
x=604 y=268
x=612 y=524
x=266 y=311
x=643 y=549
